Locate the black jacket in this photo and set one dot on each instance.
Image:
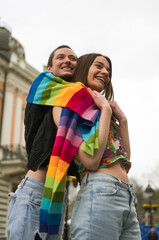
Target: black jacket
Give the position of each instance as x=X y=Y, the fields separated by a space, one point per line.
x=40 y=133
x=152 y=236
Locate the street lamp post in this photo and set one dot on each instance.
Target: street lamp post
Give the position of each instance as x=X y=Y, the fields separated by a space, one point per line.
x=149 y=192
x=149 y=208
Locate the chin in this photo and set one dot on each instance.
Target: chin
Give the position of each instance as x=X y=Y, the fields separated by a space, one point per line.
x=67 y=77
x=98 y=89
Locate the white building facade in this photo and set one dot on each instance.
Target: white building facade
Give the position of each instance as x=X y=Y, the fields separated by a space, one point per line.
x=16 y=76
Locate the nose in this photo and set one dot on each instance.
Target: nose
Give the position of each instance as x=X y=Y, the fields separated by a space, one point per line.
x=67 y=60
x=105 y=72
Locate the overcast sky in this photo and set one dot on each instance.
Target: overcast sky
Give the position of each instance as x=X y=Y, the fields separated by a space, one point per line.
x=125 y=30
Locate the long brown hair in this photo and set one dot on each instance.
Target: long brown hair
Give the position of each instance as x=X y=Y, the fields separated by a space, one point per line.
x=84 y=63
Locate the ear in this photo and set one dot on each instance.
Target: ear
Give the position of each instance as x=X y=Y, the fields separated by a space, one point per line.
x=49 y=68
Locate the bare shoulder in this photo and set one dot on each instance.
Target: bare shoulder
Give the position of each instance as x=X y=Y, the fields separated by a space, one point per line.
x=56 y=112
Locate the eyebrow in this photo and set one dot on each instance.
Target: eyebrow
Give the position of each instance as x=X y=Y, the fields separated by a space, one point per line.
x=108 y=68
x=71 y=55
x=62 y=54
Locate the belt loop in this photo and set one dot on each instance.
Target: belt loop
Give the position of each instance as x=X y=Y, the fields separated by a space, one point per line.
x=119 y=182
x=131 y=187
x=85 y=179
x=23 y=182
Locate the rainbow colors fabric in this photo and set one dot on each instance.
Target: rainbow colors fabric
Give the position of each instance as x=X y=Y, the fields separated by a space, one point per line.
x=79 y=121
x=114 y=151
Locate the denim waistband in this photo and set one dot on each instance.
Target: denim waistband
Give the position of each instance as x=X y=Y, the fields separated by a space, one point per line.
x=104 y=177
x=32 y=183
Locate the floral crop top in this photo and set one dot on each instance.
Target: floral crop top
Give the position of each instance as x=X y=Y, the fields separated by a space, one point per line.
x=114 y=151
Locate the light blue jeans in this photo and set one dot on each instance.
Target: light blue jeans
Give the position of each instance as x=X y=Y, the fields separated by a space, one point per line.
x=23 y=213
x=104 y=210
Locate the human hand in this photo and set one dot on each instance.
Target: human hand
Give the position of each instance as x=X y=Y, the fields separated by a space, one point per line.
x=117 y=111
x=99 y=99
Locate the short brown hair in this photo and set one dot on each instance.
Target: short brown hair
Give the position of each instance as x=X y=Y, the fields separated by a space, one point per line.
x=49 y=63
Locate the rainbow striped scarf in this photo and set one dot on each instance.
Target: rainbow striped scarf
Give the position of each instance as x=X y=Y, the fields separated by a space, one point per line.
x=78 y=122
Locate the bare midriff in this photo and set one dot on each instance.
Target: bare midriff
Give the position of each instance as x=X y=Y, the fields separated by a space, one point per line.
x=39 y=175
x=117 y=170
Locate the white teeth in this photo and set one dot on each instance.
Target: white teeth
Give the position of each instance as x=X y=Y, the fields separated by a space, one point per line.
x=67 y=68
x=101 y=79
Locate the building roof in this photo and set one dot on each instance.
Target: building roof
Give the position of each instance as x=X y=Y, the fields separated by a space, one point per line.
x=8 y=45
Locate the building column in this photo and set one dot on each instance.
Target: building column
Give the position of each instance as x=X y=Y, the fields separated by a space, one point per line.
x=13 y=119
x=7 y=116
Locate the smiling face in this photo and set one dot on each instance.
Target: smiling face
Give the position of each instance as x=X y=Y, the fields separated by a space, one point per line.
x=98 y=74
x=63 y=63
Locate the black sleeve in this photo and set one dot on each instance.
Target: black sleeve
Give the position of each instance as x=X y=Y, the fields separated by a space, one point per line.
x=40 y=133
x=34 y=115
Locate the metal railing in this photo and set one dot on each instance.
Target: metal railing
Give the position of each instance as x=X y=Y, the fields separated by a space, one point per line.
x=11 y=152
